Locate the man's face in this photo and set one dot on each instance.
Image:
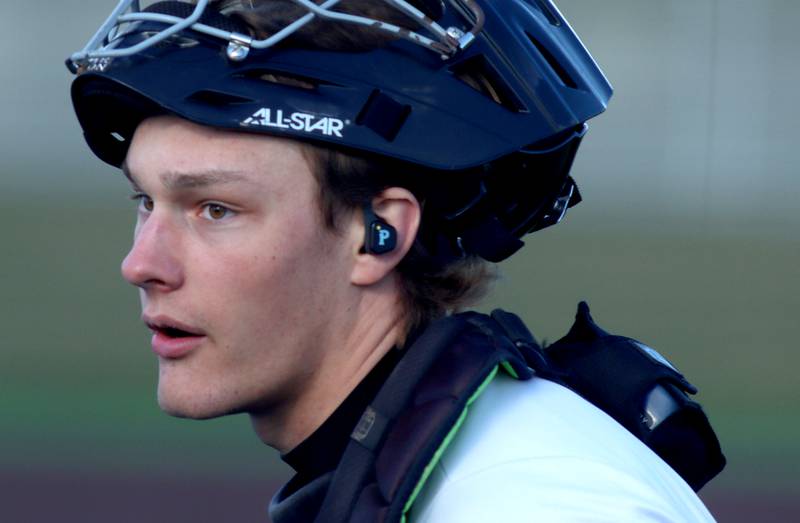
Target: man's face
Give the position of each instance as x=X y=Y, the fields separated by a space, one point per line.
x=229 y=248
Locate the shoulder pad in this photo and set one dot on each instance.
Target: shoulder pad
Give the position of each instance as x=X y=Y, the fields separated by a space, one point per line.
x=642 y=391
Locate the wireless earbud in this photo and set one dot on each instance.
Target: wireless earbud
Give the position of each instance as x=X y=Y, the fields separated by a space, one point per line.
x=379 y=237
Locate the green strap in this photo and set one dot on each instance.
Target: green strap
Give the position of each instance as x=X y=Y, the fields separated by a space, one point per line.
x=451 y=434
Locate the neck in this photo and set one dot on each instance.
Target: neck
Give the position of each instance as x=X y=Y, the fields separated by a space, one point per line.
x=375 y=325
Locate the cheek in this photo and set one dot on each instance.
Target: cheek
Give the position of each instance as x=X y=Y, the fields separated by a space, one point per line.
x=270 y=287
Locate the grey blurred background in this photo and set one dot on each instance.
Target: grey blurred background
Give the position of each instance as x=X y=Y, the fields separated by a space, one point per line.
x=687 y=239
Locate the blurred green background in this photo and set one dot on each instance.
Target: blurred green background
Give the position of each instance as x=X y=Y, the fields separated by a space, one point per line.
x=687 y=240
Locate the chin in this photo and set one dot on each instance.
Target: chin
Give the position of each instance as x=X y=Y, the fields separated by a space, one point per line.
x=191 y=404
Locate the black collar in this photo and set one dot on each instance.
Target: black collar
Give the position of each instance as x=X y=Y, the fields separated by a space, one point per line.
x=321 y=451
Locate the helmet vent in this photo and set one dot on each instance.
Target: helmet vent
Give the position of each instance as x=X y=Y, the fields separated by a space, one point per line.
x=283 y=78
x=557 y=68
x=479 y=74
x=217 y=98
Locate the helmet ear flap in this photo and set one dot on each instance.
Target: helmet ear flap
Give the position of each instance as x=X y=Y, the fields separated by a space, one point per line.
x=109 y=115
x=491 y=212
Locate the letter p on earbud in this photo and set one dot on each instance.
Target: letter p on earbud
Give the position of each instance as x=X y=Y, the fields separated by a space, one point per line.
x=383 y=235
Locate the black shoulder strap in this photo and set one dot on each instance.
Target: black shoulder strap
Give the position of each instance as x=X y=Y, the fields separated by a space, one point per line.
x=512 y=326
x=358 y=458
x=399 y=433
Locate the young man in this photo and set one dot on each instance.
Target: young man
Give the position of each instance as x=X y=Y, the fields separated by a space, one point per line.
x=319 y=187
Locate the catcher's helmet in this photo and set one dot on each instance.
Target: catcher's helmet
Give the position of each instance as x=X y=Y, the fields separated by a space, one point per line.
x=407 y=100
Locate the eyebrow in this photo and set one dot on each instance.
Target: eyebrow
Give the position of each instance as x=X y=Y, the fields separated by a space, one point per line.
x=193 y=180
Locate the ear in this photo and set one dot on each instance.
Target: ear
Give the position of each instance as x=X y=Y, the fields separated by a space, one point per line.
x=400 y=209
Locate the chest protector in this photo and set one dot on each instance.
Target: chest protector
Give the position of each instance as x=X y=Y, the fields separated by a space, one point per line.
x=418 y=411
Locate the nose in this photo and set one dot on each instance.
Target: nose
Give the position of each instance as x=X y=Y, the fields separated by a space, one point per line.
x=153 y=262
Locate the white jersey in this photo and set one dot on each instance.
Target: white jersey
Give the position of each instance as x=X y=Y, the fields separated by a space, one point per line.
x=536 y=451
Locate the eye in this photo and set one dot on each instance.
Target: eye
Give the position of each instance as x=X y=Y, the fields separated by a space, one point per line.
x=145 y=203
x=216 y=212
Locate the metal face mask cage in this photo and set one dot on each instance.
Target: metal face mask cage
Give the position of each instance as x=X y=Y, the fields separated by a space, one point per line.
x=104 y=44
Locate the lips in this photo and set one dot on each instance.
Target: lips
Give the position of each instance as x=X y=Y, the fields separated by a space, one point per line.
x=173 y=339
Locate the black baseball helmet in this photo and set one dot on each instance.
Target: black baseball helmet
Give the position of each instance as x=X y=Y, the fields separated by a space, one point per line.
x=505 y=149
